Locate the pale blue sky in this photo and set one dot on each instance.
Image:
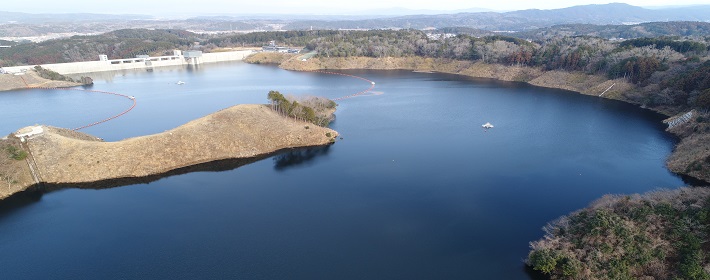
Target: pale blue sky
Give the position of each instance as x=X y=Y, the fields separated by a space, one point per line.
x=163 y=7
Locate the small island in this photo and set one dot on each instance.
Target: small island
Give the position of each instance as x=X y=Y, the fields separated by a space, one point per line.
x=57 y=156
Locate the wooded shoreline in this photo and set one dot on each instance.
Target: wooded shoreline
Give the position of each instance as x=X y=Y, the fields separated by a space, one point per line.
x=685 y=153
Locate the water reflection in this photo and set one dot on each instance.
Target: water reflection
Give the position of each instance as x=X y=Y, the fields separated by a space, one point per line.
x=283 y=159
x=692 y=181
x=34 y=193
x=18 y=201
x=299 y=157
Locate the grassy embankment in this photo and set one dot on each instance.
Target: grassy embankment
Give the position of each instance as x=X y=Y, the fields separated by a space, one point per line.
x=238 y=132
x=39 y=77
x=15 y=175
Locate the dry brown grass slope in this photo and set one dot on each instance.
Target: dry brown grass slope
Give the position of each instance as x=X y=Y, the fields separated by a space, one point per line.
x=574 y=81
x=242 y=131
x=15 y=175
x=12 y=82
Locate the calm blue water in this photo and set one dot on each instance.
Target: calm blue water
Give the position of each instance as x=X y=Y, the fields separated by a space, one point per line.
x=415 y=190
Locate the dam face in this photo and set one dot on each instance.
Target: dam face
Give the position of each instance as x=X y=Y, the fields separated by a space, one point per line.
x=143 y=62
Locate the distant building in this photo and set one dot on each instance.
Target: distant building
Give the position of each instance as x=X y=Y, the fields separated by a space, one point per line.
x=192 y=54
x=193 y=57
x=272 y=47
x=440 y=36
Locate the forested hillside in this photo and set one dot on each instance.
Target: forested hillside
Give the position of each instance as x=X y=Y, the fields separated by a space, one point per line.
x=605 y=14
x=117 y=44
x=626 y=31
x=649 y=63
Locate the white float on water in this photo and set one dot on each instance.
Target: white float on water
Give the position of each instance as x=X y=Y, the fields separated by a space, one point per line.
x=487 y=125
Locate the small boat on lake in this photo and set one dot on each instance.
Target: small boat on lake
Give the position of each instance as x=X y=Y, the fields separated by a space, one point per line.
x=487 y=125
x=180 y=83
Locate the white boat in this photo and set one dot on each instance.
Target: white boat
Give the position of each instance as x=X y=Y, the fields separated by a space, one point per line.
x=373 y=83
x=180 y=83
x=487 y=125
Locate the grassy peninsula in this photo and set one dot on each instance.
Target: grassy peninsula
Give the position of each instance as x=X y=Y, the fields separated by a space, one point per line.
x=38 y=77
x=60 y=156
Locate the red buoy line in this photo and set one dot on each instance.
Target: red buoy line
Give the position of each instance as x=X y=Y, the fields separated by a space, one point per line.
x=98 y=91
x=111 y=118
x=372 y=84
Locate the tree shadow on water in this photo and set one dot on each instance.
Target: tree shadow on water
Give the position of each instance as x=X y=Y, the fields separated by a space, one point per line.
x=283 y=159
x=299 y=157
x=18 y=201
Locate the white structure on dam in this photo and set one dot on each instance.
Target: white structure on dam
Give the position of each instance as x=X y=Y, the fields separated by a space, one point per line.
x=141 y=62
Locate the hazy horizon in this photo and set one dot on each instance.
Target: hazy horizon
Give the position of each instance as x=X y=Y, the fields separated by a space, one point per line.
x=307 y=7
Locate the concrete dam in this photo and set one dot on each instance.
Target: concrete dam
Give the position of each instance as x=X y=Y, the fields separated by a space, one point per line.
x=140 y=62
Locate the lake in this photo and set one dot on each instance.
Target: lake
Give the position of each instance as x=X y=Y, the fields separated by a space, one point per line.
x=416 y=189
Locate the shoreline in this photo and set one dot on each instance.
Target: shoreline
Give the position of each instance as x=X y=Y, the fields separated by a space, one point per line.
x=238 y=135
x=24 y=77
x=211 y=166
x=580 y=83
x=570 y=247
x=31 y=80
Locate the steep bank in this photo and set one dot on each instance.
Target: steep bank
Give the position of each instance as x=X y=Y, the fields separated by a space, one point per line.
x=30 y=80
x=689 y=158
x=579 y=82
x=243 y=131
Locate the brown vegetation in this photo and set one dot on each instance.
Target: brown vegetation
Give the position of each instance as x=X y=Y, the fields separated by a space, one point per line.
x=692 y=155
x=14 y=172
x=574 y=81
x=239 y=132
x=268 y=58
x=313 y=109
x=33 y=79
